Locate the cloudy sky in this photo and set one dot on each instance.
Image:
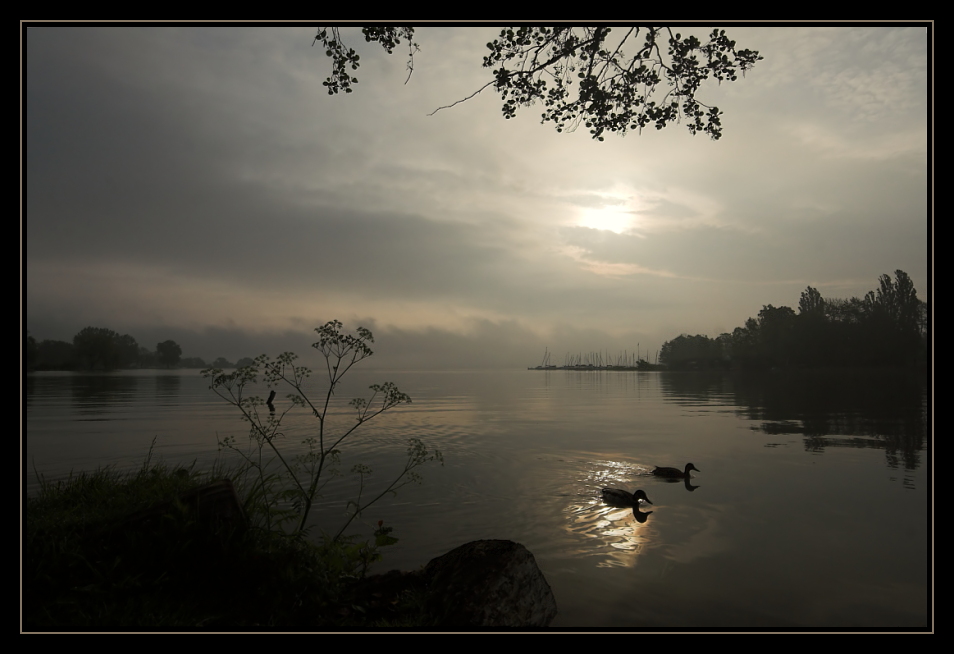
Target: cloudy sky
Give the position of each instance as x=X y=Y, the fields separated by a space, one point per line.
x=199 y=184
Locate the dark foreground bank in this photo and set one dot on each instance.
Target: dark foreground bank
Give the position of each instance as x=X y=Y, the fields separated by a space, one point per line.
x=170 y=549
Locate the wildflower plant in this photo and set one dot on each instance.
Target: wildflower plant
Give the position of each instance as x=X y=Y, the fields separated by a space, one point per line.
x=285 y=481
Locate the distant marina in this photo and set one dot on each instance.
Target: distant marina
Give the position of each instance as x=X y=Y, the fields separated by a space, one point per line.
x=598 y=361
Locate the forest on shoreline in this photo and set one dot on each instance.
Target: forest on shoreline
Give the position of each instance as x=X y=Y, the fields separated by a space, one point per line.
x=99 y=348
x=888 y=327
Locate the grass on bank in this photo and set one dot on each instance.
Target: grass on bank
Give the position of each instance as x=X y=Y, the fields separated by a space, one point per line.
x=84 y=567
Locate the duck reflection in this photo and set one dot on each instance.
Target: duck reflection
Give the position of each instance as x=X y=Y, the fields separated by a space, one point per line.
x=686 y=482
x=689 y=486
x=641 y=516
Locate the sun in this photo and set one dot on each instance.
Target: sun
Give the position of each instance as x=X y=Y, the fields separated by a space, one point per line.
x=611 y=218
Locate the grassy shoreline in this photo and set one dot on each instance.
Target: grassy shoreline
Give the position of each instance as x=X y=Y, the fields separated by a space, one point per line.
x=86 y=565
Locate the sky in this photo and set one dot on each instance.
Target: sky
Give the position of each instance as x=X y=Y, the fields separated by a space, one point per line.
x=197 y=183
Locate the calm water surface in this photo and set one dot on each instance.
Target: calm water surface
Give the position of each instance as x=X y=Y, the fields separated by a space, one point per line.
x=810 y=507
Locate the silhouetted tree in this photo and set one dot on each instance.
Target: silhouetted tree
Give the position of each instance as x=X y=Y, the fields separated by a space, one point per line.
x=168 y=353
x=96 y=346
x=811 y=303
x=896 y=316
x=812 y=332
x=851 y=311
x=900 y=300
x=127 y=351
x=147 y=358
x=541 y=64
x=691 y=352
x=56 y=355
x=742 y=353
x=745 y=345
x=776 y=334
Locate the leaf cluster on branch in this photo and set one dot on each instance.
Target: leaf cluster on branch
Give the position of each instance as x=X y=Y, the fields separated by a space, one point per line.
x=343 y=56
x=582 y=76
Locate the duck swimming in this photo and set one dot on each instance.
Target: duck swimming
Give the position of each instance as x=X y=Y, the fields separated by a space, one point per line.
x=618 y=497
x=675 y=473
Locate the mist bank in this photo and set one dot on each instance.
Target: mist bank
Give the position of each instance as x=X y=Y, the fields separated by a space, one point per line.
x=484 y=345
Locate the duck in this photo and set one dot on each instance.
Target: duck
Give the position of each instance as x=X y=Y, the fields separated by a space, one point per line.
x=675 y=473
x=618 y=497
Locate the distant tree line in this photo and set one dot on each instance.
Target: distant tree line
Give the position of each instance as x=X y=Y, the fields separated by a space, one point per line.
x=886 y=327
x=98 y=348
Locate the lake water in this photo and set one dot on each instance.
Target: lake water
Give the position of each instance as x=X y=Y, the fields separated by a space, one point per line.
x=811 y=507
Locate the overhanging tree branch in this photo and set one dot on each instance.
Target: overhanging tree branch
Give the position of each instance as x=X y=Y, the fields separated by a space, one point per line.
x=614 y=92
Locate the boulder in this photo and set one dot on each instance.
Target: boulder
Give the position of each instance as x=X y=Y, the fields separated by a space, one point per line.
x=489 y=583
x=484 y=583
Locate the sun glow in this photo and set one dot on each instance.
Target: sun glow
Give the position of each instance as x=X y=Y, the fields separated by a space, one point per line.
x=616 y=219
